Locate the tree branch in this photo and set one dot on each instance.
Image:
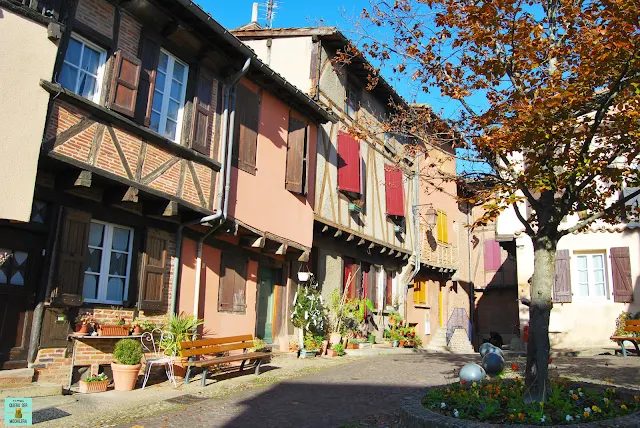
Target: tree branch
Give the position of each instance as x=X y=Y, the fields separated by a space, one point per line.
x=601 y=214
x=525 y=223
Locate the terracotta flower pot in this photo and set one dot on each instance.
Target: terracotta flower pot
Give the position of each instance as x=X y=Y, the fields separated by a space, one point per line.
x=90 y=387
x=402 y=343
x=82 y=329
x=179 y=369
x=353 y=346
x=125 y=376
x=331 y=353
x=335 y=338
x=137 y=330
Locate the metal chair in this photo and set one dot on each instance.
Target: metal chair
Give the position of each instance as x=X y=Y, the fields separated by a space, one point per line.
x=156 y=353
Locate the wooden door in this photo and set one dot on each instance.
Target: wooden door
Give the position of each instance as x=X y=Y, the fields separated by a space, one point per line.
x=20 y=263
x=265 y=318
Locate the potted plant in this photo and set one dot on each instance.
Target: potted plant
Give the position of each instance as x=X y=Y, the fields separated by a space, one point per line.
x=127 y=354
x=356 y=205
x=84 y=321
x=371 y=339
x=311 y=346
x=142 y=325
x=339 y=349
x=353 y=344
x=97 y=383
x=183 y=328
x=120 y=329
x=396 y=337
x=259 y=345
x=308 y=316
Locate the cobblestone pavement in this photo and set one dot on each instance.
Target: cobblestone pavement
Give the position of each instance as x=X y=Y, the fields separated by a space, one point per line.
x=346 y=392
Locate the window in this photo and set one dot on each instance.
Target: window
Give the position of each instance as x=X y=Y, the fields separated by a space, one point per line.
x=168 y=96
x=247 y=120
x=420 y=293
x=352 y=99
x=591 y=276
x=443 y=235
x=231 y=293
x=13 y=267
x=106 y=278
x=83 y=68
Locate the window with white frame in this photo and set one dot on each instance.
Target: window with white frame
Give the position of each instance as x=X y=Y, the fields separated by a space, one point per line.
x=83 y=68
x=106 y=279
x=591 y=275
x=168 y=96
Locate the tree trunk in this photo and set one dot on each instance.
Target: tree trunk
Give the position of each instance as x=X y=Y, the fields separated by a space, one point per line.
x=539 y=311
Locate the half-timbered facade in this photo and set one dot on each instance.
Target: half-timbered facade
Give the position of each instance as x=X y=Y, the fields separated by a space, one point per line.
x=367 y=187
x=163 y=138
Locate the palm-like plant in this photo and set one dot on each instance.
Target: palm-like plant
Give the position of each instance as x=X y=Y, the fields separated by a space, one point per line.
x=182 y=327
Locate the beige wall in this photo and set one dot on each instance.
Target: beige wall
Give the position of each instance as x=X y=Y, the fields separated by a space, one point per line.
x=26 y=56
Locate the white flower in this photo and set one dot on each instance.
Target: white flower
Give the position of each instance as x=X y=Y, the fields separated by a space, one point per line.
x=543 y=419
x=587 y=409
x=578 y=417
x=569 y=418
x=443 y=405
x=580 y=394
x=570 y=393
x=455 y=413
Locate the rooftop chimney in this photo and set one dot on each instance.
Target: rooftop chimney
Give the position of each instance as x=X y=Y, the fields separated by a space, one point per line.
x=254 y=12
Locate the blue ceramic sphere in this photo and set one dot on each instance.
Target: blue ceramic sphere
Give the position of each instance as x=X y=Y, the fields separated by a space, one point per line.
x=495 y=350
x=472 y=373
x=484 y=348
x=493 y=363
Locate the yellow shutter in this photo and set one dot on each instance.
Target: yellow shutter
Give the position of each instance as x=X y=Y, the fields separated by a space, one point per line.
x=423 y=292
x=416 y=292
x=419 y=292
x=443 y=235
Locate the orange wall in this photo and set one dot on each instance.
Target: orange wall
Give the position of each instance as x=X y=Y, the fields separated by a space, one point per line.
x=418 y=314
x=261 y=200
x=216 y=323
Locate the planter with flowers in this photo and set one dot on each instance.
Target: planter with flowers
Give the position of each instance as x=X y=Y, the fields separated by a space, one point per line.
x=85 y=323
x=97 y=383
x=120 y=329
x=140 y=326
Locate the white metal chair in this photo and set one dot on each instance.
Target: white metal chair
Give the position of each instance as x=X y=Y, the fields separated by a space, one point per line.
x=156 y=353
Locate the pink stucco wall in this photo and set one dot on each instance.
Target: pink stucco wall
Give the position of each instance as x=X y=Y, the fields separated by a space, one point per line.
x=216 y=324
x=261 y=200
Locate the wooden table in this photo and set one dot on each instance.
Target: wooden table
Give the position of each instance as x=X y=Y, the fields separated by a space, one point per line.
x=90 y=338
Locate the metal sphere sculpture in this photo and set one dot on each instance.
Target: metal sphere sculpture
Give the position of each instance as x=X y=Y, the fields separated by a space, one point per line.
x=493 y=363
x=472 y=373
x=495 y=350
x=484 y=348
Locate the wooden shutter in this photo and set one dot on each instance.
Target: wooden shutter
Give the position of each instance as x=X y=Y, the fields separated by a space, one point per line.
x=443 y=233
x=388 y=291
x=420 y=292
x=296 y=142
x=124 y=86
x=349 y=276
x=203 y=114
x=562 y=278
x=73 y=255
x=621 y=273
x=492 y=258
x=232 y=290
x=154 y=273
x=247 y=120
x=348 y=163
x=373 y=286
x=149 y=53
x=394 y=191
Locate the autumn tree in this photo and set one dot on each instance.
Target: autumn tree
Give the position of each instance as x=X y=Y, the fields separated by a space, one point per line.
x=549 y=101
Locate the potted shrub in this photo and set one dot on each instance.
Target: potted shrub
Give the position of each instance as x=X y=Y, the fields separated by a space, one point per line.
x=127 y=355
x=339 y=349
x=312 y=344
x=98 y=383
x=84 y=322
x=182 y=327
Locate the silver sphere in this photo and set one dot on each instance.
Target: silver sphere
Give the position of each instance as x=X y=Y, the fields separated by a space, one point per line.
x=495 y=350
x=472 y=373
x=493 y=363
x=484 y=348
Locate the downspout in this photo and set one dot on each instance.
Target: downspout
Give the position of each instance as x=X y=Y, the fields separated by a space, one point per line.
x=472 y=287
x=220 y=215
x=417 y=242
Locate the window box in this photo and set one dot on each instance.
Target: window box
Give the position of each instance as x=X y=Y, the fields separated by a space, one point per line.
x=355 y=208
x=91 y=387
x=114 y=330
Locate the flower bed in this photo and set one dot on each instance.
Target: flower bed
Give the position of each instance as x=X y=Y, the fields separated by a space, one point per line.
x=501 y=402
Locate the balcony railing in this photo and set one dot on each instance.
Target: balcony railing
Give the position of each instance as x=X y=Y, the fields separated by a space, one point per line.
x=443 y=255
x=47 y=8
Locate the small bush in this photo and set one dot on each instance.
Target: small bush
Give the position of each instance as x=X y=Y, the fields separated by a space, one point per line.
x=339 y=348
x=128 y=351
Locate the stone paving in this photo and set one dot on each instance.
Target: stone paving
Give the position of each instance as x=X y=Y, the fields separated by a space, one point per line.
x=350 y=393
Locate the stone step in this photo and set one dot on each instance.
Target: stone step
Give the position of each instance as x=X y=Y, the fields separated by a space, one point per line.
x=36 y=389
x=16 y=377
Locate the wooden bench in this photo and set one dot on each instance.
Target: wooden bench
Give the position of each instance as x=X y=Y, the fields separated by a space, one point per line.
x=205 y=353
x=629 y=326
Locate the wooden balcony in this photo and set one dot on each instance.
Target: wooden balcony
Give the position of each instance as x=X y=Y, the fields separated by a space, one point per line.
x=438 y=254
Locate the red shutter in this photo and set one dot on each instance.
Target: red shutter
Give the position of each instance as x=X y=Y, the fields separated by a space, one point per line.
x=562 y=278
x=621 y=272
x=348 y=163
x=124 y=86
x=492 y=259
x=394 y=190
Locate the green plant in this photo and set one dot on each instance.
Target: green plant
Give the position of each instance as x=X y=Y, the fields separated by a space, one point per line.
x=371 y=338
x=145 y=324
x=183 y=328
x=128 y=352
x=354 y=341
x=339 y=348
x=121 y=322
x=387 y=333
x=621 y=323
x=417 y=341
x=308 y=311
x=312 y=342
x=96 y=378
x=258 y=345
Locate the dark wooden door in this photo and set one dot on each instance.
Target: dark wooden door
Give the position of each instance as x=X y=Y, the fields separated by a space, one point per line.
x=20 y=265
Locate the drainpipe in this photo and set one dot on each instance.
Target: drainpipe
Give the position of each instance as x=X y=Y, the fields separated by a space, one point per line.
x=417 y=242
x=221 y=214
x=472 y=287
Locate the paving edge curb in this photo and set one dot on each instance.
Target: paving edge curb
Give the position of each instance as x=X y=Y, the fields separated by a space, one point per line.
x=414 y=415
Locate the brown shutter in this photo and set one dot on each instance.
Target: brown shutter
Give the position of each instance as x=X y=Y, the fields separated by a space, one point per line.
x=621 y=272
x=232 y=284
x=124 y=87
x=240 y=286
x=203 y=114
x=154 y=273
x=225 y=289
x=246 y=128
x=294 y=178
x=149 y=53
x=562 y=278
x=388 y=291
x=73 y=254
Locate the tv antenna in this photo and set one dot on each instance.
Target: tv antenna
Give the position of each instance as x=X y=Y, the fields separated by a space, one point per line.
x=270 y=7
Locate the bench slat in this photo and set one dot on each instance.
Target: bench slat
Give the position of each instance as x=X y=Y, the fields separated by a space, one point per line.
x=215 y=341
x=632 y=328
x=215 y=349
x=632 y=322
x=630 y=338
x=228 y=359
